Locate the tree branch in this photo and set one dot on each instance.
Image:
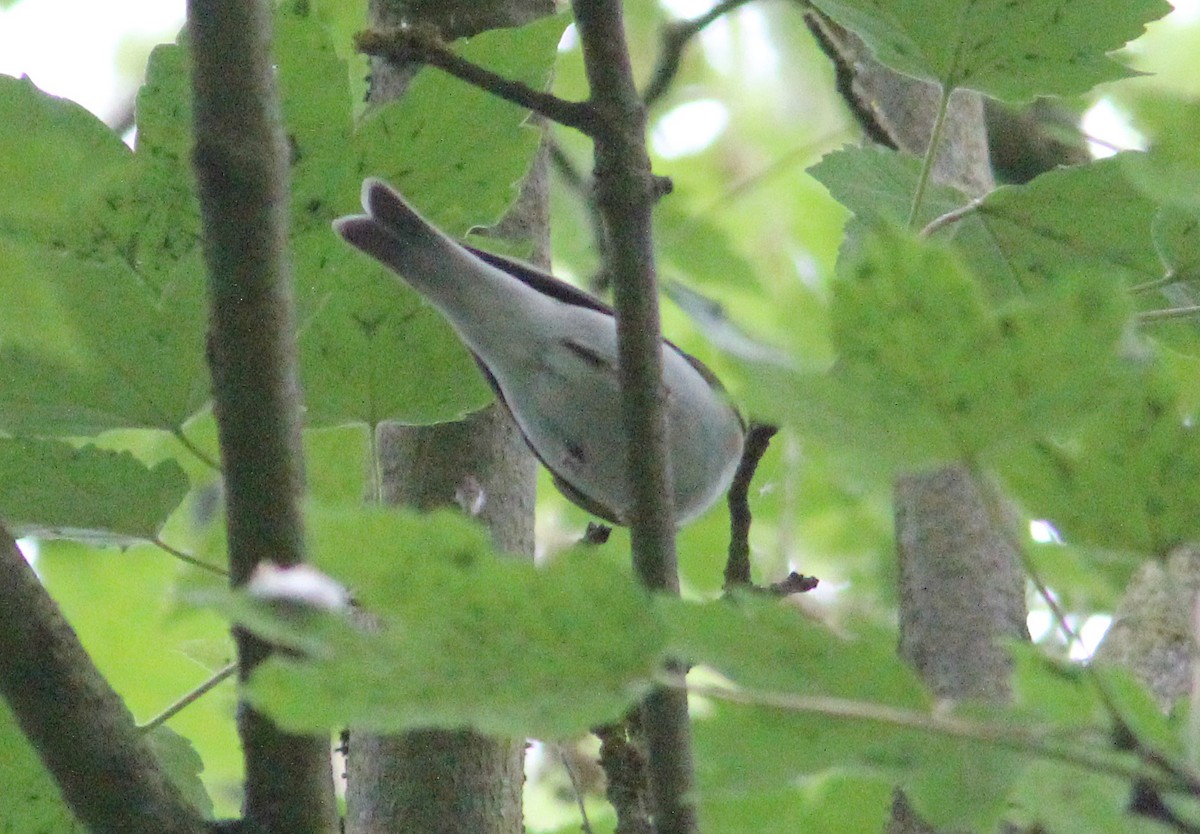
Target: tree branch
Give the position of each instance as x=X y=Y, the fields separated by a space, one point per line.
x=79 y=726
x=421 y=45
x=240 y=159
x=625 y=193
x=675 y=38
x=737 y=566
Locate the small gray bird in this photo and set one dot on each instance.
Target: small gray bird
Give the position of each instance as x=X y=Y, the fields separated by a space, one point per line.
x=550 y=352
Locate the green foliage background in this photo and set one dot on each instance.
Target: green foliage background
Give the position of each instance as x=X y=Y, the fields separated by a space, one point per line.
x=1025 y=340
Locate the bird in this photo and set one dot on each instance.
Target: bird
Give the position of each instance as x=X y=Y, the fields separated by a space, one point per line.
x=549 y=351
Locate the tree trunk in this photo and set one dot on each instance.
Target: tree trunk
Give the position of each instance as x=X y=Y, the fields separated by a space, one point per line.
x=437 y=781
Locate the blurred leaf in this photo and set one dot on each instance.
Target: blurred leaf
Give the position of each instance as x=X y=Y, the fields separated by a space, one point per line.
x=1169 y=171
x=880 y=182
x=53 y=489
x=1011 y=51
x=1176 y=234
x=1064 y=799
x=768 y=646
x=929 y=370
x=835 y=804
x=1130 y=479
x=460 y=638
x=118 y=602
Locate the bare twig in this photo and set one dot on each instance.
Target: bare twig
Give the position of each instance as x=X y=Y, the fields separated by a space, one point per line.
x=221 y=675
x=186 y=559
x=675 y=39
x=737 y=566
x=576 y=788
x=241 y=163
x=419 y=44
x=79 y=726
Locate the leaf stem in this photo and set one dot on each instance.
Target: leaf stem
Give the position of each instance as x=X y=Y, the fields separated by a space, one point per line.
x=190 y=698
x=935 y=139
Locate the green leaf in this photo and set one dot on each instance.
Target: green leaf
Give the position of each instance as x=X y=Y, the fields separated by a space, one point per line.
x=130 y=310
x=373 y=350
x=52 y=489
x=879 y=182
x=1176 y=234
x=1011 y=51
x=32 y=801
x=1070 y=220
x=929 y=370
x=1057 y=797
x=461 y=638
x=1129 y=480
x=835 y=804
x=844 y=693
x=1169 y=171
x=58 y=156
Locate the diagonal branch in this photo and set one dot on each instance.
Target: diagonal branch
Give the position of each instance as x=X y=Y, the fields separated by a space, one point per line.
x=80 y=727
x=421 y=45
x=241 y=160
x=675 y=38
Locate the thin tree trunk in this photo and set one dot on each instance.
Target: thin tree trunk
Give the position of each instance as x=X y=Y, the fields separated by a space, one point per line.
x=437 y=781
x=961 y=580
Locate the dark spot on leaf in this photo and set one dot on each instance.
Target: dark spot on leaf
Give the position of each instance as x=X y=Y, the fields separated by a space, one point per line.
x=962 y=406
x=313 y=205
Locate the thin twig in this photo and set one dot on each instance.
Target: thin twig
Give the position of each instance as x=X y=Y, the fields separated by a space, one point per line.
x=418 y=44
x=577 y=789
x=626 y=190
x=1038 y=741
x=675 y=37
x=191 y=560
x=190 y=698
x=737 y=566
